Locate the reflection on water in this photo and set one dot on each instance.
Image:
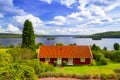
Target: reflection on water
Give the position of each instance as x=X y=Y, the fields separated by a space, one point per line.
x=108 y=42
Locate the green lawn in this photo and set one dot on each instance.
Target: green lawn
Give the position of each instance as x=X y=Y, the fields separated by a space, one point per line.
x=107 y=69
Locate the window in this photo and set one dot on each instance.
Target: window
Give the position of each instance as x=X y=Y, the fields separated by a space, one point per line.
x=47 y=59
x=70 y=59
x=82 y=59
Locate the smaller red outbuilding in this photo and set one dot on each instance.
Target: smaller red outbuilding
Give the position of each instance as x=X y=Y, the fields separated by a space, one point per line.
x=73 y=55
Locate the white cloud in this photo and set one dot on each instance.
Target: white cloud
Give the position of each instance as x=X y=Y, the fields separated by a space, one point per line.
x=48 y=1
x=1 y=15
x=37 y=23
x=82 y=4
x=58 y=20
x=68 y=3
x=7 y=6
x=42 y=32
x=19 y=20
x=113 y=6
x=2 y=30
x=12 y=29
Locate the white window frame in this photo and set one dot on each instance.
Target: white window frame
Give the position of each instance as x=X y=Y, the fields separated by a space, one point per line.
x=82 y=59
x=47 y=59
x=70 y=59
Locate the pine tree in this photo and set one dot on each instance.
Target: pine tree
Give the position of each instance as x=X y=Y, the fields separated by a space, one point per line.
x=28 y=37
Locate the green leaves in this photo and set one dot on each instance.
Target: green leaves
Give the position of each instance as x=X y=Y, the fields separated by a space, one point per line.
x=28 y=37
x=116 y=46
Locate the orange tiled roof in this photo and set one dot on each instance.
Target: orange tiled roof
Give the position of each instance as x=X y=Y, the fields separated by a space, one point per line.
x=64 y=52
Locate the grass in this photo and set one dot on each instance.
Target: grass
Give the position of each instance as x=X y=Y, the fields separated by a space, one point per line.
x=107 y=69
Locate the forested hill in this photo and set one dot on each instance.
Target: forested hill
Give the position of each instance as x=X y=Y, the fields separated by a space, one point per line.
x=111 y=34
x=9 y=35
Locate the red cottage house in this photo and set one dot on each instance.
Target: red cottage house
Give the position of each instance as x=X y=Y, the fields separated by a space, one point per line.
x=73 y=55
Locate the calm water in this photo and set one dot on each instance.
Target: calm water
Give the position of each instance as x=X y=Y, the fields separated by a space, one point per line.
x=108 y=42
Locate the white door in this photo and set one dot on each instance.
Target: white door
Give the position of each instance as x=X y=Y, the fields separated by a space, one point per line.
x=59 y=60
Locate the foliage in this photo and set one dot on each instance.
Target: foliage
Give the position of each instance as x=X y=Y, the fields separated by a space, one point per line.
x=103 y=61
x=74 y=44
x=0 y=44
x=5 y=58
x=55 y=63
x=96 y=48
x=11 y=46
x=28 y=37
x=64 y=63
x=117 y=71
x=19 y=54
x=16 y=71
x=38 y=66
x=39 y=44
x=112 y=34
x=98 y=56
x=59 y=44
x=93 y=62
x=116 y=46
x=105 y=48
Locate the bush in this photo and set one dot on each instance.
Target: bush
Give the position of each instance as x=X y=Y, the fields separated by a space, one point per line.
x=16 y=71
x=103 y=61
x=39 y=44
x=64 y=63
x=116 y=46
x=38 y=66
x=19 y=54
x=112 y=76
x=117 y=71
x=93 y=62
x=59 y=44
x=98 y=56
x=11 y=46
x=5 y=59
x=55 y=63
x=103 y=76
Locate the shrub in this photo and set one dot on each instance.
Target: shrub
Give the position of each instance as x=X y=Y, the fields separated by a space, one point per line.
x=93 y=62
x=59 y=44
x=103 y=76
x=55 y=63
x=47 y=67
x=16 y=71
x=112 y=76
x=19 y=54
x=5 y=59
x=39 y=44
x=11 y=46
x=98 y=56
x=38 y=66
x=103 y=61
x=64 y=63
x=96 y=48
x=116 y=46
x=117 y=71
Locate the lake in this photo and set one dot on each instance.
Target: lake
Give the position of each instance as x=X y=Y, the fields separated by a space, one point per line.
x=108 y=42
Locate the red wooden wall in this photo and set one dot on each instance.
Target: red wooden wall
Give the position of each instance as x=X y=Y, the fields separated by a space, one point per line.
x=52 y=60
x=76 y=61
x=65 y=59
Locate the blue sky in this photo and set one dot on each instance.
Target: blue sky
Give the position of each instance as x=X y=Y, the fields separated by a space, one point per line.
x=60 y=17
